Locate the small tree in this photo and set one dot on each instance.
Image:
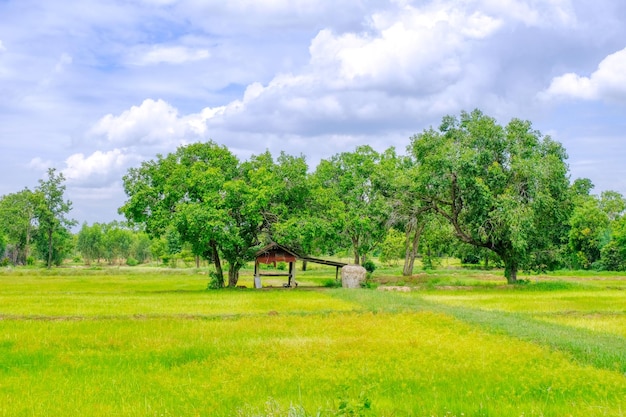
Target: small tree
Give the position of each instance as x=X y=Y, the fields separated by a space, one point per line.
x=51 y=210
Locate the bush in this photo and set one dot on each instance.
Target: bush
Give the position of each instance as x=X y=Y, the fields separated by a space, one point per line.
x=331 y=283
x=215 y=282
x=369 y=266
x=5 y=262
x=132 y=262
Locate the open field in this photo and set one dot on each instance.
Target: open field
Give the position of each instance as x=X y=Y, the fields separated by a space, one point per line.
x=149 y=342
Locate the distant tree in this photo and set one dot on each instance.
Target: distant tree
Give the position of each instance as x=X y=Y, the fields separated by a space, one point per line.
x=62 y=246
x=51 y=211
x=589 y=230
x=503 y=188
x=90 y=243
x=613 y=204
x=613 y=254
x=141 y=247
x=117 y=241
x=18 y=223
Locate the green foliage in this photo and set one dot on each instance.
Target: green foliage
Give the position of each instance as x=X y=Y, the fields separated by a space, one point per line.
x=62 y=246
x=90 y=243
x=132 y=262
x=210 y=200
x=393 y=247
x=354 y=407
x=17 y=224
x=503 y=188
x=216 y=281
x=331 y=283
x=588 y=226
x=369 y=266
x=51 y=211
x=349 y=201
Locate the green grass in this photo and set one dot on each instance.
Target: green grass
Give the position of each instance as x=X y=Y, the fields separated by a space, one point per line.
x=156 y=343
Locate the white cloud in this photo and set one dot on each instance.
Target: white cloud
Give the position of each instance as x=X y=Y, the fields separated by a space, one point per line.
x=167 y=55
x=40 y=164
x=543 y=13
x=99 y=168
x=2 y=47
x=607 y=82
x=152 y=123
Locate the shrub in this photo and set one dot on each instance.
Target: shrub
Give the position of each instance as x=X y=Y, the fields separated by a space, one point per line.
x=132 y=261
x=369 y=266
x=331 y=283
x=215 y=282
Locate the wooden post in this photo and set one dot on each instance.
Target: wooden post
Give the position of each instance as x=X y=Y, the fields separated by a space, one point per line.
x=292 y=273
x=257 y=277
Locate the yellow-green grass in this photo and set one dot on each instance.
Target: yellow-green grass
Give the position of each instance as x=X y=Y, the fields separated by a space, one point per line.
x=533 y=302
x=602 y=323
x=156 y=344
x=408 y=364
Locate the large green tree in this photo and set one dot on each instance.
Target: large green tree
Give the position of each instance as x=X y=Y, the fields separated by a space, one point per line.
x=349 y=200
x=51 y=211
x=503 y=188
x=219 y=205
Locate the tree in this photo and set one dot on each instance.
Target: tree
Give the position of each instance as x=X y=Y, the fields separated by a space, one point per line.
x=90 y=243
x=589 y=225
x=393 y=247
x=349 y=200
x=17 y=222
x=503 y=188
x=409 y=212
x=51 y=211
x=219 y=206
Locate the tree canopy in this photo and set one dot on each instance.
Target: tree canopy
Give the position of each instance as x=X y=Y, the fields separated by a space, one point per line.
x=503 y=188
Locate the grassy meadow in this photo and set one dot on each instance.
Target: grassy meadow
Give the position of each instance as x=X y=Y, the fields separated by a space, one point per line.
x=155 y=342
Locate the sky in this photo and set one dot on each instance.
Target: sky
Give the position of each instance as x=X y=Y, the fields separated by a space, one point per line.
x=93 y=88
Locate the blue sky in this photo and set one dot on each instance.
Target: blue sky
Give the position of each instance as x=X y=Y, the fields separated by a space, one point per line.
x=95 y=87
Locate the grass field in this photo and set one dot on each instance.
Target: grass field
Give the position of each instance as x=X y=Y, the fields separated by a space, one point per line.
x=150 y=342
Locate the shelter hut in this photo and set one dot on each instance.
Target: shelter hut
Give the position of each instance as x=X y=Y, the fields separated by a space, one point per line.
x=273 y=253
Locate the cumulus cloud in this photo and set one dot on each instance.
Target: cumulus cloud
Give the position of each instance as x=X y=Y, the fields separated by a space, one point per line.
x=607 y=82
x=154 y=122
x=99 y=168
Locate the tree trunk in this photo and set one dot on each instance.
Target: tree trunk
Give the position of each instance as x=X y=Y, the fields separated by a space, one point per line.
x=510 y=271
x=49 y=248
x=356 y=257
x=411 y=250
x=304 y=265
x=363 y=259
x=218 y=263
x=233 y=275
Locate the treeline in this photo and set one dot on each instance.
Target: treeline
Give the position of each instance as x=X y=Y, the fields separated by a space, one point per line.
x=486 y=193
